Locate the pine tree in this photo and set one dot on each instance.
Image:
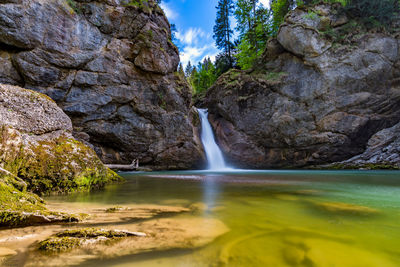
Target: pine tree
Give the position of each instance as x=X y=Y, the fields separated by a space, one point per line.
x=222 y=29
x=188 y=69
x=254 y=27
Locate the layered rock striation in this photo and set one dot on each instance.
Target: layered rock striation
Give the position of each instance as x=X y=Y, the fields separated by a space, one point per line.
x=110 y=65
x=314 y=98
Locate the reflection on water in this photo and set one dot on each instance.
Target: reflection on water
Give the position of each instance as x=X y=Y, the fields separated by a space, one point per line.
x=276 y=218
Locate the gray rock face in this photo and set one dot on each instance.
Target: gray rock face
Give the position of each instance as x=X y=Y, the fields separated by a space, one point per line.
x=30 y=112
x=110 y=66
x=310 y=101
x=36 y=144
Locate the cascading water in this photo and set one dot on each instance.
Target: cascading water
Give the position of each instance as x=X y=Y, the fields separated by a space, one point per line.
x=214 y=155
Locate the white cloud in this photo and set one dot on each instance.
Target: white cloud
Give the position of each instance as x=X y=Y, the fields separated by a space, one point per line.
x=171 y=14
x=191 y=36
x=196 y=45
x=194 y=54
x=265 y=3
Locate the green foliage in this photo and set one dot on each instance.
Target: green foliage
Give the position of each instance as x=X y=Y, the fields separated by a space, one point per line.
x=222 y=28
x=311 y=15
x=254 y=26
x=247 y=54
x=203 y=77
x=74 y=6
x=280 y=8
x=224 y=62
x=372 y=11
x=141 y=4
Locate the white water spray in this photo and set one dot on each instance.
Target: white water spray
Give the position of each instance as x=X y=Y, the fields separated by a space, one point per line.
x=214 y=155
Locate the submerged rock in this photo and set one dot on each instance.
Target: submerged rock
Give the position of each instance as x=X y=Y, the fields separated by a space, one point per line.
x=111 y=66
x=312 y=99
x=10 y=218
x=71 y=239
x=345 y=208
x=143 y=229
x=36 y=143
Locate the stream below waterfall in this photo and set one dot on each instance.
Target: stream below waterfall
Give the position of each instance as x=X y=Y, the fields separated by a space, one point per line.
x=275 y=218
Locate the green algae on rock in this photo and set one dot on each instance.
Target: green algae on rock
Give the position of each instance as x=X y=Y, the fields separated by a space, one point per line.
x=21 y=208
x=70 y=239
x=37 y=145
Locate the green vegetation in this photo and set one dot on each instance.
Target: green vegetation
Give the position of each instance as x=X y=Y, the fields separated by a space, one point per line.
x=113 y=209
x=254 y=27
x=257 y=24
x=311 y=15
x=372 y=11
x=59 y=244
x=75 y=6
x=201 y=77
x=20 y=208
x=222 y=29
x=60 y=165
x=71 y=239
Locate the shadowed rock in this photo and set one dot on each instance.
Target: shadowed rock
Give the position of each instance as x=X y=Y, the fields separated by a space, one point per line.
x=111 y=66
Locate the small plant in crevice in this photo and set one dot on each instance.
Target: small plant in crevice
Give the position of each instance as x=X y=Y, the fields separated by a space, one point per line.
x=74 y=5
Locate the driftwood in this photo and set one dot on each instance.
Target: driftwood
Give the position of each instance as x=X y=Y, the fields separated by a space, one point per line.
x=131 y=167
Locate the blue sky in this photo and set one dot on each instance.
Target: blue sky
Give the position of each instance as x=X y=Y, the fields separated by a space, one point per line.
x=194 y=20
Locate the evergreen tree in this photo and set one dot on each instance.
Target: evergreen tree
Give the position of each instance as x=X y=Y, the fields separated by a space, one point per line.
x=222 y=29
x=246 y=16
x=223 y=63
x=254 y=26
x=203 y=77
x=188 y=70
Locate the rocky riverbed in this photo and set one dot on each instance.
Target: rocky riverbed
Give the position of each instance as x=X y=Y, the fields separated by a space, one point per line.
x=108 y=232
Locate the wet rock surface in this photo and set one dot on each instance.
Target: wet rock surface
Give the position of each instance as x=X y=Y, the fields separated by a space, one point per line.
x=110 y=65
x=129 y=231
x=311 y=100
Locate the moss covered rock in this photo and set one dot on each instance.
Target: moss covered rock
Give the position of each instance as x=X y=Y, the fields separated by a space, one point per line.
x=21 y=208
x=71 y=239
x=36 y=144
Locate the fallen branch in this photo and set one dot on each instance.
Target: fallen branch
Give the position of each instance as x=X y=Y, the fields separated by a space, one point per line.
x=133 y=166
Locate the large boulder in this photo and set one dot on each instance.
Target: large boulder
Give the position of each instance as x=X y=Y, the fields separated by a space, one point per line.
x=110 y=65
x=314 y=98
x=36 y=144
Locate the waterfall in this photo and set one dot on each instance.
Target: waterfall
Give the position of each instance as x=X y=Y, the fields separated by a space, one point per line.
x=214 y=155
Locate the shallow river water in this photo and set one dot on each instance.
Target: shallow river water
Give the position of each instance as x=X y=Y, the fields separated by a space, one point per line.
x=276 y=218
